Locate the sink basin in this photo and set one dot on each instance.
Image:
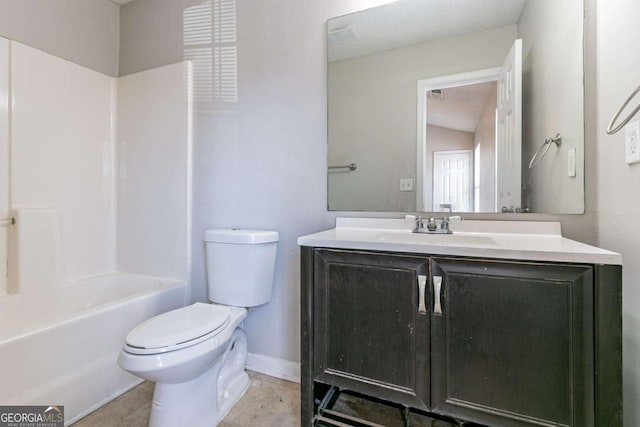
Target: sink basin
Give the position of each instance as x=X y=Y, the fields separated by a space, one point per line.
x=436 y=239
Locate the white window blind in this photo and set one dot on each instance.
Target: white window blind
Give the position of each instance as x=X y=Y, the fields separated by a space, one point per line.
x=209 y=32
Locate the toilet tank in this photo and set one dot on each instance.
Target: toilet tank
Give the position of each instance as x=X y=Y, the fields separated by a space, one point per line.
x=240 y=266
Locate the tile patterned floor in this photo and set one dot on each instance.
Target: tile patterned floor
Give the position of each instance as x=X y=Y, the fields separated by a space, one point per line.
x=269 y=402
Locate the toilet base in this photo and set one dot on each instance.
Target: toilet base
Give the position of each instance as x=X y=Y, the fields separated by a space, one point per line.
x=238 y=389
x=207 y=399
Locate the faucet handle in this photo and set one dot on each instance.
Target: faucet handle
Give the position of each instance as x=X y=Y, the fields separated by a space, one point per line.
x=418 y=224
x=444 y=225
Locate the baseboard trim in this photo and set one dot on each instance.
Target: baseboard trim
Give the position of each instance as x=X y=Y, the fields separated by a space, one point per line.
x=274 y=367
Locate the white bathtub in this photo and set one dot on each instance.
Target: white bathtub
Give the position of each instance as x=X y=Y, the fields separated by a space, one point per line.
x=62 y=350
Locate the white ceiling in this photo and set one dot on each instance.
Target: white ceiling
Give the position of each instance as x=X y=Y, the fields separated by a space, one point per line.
x=461 y=108
x=121 y=2
x=406 y=22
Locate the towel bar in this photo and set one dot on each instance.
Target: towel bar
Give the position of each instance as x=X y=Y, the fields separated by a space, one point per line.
x=610 y=129
x=543 y=150
x=350 y=166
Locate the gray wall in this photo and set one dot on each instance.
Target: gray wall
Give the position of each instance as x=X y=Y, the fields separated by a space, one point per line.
x=151 y=33
x=81 y=31
x=619 y=183
x=551 y=33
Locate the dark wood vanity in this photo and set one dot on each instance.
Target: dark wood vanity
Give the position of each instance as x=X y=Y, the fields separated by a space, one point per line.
x=495 y=342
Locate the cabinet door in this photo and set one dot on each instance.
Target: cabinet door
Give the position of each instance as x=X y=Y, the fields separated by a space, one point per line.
x=513 y=345
x=370 y=334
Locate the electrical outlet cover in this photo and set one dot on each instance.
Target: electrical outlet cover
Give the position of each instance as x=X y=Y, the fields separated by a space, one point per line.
x=632 y=143
x=406 y=184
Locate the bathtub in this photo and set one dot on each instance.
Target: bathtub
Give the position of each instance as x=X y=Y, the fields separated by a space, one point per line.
x=62 y=350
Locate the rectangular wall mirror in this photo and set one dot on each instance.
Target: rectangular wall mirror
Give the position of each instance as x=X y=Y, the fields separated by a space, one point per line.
x=457 y=106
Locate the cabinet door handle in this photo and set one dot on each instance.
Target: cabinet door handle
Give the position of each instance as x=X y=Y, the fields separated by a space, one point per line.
x=437 y=286
x=422 y=285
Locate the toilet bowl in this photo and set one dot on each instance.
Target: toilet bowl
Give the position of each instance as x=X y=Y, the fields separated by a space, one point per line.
x=186 y=363
x=196 y=354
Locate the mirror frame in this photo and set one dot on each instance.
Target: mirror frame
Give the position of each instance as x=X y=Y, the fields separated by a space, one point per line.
x=584 y=162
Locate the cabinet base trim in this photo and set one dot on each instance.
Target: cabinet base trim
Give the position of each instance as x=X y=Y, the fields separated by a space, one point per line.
x=330 y=412
x=342 y=420
x=504 y=414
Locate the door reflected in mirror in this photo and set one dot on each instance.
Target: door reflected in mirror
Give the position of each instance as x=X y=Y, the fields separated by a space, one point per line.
x=440 y=106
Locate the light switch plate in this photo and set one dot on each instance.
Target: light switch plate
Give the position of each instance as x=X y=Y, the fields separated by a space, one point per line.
x=571 y=163
x=406 y=184
x=632 y=143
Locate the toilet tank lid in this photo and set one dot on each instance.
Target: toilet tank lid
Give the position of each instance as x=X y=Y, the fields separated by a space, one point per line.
x=241 y=236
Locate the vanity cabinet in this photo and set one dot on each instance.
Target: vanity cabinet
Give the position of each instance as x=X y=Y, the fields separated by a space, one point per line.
x=369 y=334
x=493 y=342
x=512 y=342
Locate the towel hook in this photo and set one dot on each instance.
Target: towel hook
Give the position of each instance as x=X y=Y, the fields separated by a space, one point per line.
x=543 y=150
x=610 y=129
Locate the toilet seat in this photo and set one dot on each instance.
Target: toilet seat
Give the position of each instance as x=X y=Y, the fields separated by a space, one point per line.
x=178 y=329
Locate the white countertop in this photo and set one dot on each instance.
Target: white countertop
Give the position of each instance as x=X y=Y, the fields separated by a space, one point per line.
x=518 y=240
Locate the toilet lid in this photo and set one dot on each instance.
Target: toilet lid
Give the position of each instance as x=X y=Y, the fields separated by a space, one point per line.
x=179 y=326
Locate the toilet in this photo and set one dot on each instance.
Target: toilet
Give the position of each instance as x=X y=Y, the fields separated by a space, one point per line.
x=196 y=354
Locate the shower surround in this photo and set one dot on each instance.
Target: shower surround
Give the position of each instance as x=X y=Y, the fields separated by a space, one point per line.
x=99 y=186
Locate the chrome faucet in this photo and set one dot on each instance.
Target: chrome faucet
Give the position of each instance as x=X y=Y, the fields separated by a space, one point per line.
x=431 y=226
